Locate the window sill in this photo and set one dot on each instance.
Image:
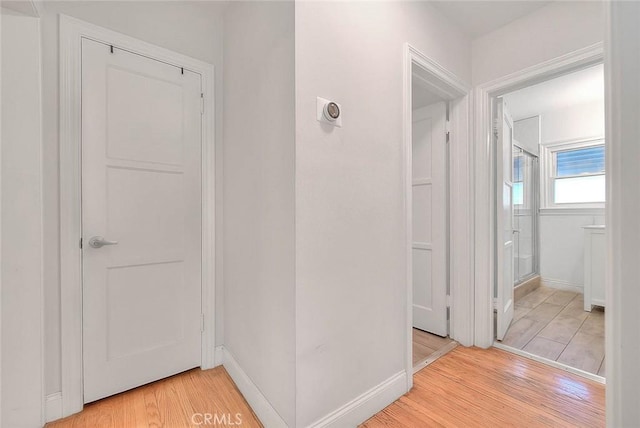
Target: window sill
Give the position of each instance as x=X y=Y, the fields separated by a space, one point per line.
x=572 y=211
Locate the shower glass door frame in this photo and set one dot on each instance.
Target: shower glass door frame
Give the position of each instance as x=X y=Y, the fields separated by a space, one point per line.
x=526 y=203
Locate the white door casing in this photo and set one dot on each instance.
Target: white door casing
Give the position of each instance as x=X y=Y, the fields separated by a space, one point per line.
x=484 y=264
x=429 y=211
x=141 y=187
x=504 y=218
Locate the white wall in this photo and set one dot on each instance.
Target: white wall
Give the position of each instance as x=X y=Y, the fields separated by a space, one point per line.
x=582 y=121
x=623 y=232
x=350 y=257
x=21 y=222
x=549 y=32
x=190 y=28
x=259 y=159
x=561 y=234
x=527 y=133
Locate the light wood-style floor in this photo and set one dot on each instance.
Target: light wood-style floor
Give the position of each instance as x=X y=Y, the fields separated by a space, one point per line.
x=427 y=346
x=184 y=400
x=472 y=387
x=468 y=387
x=553 y=324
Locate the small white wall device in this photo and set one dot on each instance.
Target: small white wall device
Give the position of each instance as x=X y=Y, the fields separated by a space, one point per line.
x=329 y=112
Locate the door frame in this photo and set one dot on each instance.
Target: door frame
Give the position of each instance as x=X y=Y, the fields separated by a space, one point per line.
x=485 y=191
x=460 y=248
x=72 y=31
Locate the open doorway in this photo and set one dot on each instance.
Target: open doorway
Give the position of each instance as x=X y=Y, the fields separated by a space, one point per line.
x=549 y=222
x=430 y=221
x=438 y=221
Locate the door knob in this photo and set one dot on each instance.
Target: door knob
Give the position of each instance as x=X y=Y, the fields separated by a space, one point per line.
x=99 y=242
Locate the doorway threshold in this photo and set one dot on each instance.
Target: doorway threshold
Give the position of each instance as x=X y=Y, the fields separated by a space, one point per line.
x=433 y=357
x=549 y=362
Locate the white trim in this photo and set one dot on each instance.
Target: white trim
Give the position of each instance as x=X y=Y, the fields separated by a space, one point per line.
x=218 y=356
x=41 y=308
x=28 y=8
x=572 y=211
x=362 y=407
x=559 y=284
x=71 y=32
x=452 y=88
x=551 y=363
x=575 y=142
x=43 y=355
x=265 y=412
x=484 y=192
x=53 y=407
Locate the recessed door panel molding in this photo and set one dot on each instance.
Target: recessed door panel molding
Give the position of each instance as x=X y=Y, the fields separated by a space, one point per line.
x=150 y=128
x=141 y=192
x=429 y=219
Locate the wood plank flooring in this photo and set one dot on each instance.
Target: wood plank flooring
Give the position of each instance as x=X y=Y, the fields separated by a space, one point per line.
x=466 y=387
x=426 y=345
x=553 y=324
x=472 y=387
x=184 y=400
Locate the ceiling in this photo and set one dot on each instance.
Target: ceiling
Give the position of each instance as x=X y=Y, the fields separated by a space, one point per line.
x=576 y=88
x=479 y=17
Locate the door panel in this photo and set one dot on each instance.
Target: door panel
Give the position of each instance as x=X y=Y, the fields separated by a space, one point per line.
x=504 y=220
x=429 y=210
x=141 y=140
x=142 y=212
x=129 y=334
x=138 y=132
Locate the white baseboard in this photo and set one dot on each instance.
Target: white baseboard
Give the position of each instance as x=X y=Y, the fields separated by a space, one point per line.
x=562 y=285
x=258 y=402
x=53 y=407
x=366 y=405
x=218 y=356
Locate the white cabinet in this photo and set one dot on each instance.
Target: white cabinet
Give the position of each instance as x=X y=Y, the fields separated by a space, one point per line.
x=594 y=266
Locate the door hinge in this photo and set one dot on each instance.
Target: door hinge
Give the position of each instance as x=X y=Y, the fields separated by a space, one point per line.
x=448 y=300
x=496 y=121
x=495 y=304
x=447 y=130
x=202 y=323
x=201 y=103
x=81 y=243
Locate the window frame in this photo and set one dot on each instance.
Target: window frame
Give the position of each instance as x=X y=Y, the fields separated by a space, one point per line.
x=548 y=167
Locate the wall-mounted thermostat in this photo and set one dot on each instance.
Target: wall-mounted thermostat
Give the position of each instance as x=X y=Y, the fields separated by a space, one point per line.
x=329 y=112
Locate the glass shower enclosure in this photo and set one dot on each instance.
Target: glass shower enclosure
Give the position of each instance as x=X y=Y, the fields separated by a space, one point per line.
x=525 y=214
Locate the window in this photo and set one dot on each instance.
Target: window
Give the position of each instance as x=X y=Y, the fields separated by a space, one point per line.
x=576 y=175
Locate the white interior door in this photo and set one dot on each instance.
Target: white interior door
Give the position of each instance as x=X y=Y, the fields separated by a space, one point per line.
x=504 y=219
x=141 y=142
x=429 y=221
